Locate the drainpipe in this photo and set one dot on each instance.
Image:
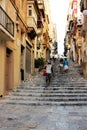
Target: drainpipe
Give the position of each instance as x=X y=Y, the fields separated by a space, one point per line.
x=85 y=49
x=85 y=58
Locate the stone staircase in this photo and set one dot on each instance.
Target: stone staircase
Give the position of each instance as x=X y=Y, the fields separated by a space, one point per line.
x=65 y=89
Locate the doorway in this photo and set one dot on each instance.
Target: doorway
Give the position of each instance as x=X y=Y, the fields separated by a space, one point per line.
x=9 y=70
x=22 y=62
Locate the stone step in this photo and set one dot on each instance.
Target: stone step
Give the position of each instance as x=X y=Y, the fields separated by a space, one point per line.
x=49 y=94
x=51 y=91
x=69 y=81
x=42 y=98
x=65 y=89
x=41 y=103
x=54 y=88
x=60 y=83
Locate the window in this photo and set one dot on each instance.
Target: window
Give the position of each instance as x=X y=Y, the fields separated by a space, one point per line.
x=30 y=12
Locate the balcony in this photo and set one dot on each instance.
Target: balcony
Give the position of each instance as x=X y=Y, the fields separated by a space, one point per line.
x=41 y=7
x=40 y=1
x=39 y=24
x=72 y=27
x=32 y=22
x=82 y=5
x=31 y=32
x=85 y=4
x=6 y=26
x=38 y=44
x=41 y=4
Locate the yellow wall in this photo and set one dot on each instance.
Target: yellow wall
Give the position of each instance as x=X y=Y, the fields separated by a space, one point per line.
x=2 y=67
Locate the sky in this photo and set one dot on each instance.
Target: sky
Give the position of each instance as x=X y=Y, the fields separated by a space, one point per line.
x=59 y=9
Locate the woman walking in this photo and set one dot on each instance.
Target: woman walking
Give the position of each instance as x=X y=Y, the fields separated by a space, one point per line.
x=65 y=64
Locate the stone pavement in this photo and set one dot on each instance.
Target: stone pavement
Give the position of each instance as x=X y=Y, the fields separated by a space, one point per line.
x=43 y=117
x=22 y=109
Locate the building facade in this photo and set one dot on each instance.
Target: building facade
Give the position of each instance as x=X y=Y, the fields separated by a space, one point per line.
x=83 y=8
x=12 y=43
x=76 y=34
x=73 y=40
x=24 y=37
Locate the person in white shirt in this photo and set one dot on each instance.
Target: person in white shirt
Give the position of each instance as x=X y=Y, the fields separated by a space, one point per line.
x=48 y=71
x=49 y=68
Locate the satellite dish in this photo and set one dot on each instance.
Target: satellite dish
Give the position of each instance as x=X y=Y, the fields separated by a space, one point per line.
x=85 y=12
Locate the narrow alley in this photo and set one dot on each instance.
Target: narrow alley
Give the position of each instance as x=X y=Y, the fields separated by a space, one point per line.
x=65 y=89
x=60 y=106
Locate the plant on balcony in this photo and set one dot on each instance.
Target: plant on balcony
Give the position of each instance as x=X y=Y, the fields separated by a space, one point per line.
x=39 y=63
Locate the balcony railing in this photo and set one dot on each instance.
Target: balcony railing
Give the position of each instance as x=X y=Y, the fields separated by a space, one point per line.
x=31 y=21
x=6 y=22
x=38 y=44
x=39 y=24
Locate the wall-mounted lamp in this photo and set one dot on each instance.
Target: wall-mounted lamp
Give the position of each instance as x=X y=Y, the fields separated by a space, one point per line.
x=44 y=47
x=17 y=25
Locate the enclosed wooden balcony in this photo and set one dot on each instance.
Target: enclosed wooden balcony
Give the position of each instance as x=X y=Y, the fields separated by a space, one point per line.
x=39 y=24
x=41 y=7
x=32 y=22
x=6 y=26
x=81 y=5
x=85 y=4
x=41 y=4
x=38 y=44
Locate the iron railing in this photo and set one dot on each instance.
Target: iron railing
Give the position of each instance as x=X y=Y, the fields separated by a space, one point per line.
x=6 y=21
